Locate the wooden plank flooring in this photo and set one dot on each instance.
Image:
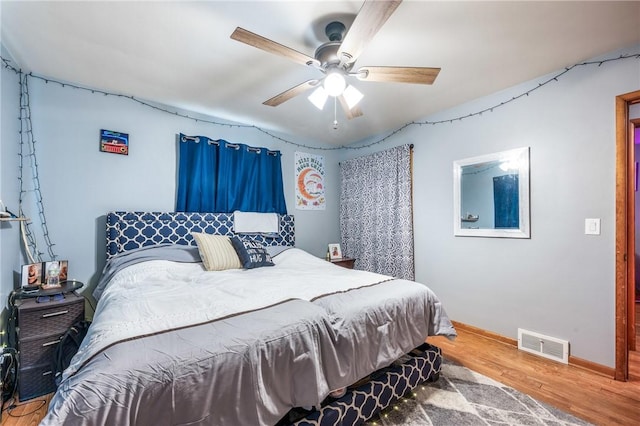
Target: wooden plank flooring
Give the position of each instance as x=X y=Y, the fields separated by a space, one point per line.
x=28 y=413
x=588 y=395
x=583 y=393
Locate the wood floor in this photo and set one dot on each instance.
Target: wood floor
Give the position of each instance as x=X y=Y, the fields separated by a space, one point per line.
x=585 y=394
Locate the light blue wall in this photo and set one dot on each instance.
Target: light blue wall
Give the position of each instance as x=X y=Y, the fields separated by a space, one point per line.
x=560 y=282
x=80 y=184
x=10 y=256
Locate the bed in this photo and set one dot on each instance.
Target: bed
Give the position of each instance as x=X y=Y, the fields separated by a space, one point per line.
x=174 y=343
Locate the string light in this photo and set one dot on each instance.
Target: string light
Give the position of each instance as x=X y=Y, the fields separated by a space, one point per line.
x=28 y=143
x=555 y=78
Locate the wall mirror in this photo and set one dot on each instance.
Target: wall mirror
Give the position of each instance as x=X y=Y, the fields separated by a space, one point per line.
x=491 y=195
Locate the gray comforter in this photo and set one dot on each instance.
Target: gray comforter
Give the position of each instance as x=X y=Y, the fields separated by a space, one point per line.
x=250 y=368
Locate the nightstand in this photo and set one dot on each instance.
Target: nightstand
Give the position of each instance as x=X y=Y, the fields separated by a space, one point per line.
x=38 y=331
x=345 y=262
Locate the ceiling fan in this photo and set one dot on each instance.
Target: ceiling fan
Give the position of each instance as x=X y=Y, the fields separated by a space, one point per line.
x=336 y=59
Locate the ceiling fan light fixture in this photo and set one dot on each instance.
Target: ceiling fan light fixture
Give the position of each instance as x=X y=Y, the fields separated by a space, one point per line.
x=318 y=97
x=352 y=96
x=337 y=57
x=334 y=83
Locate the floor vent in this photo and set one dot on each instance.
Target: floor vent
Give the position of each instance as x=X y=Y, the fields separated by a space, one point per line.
x=545 y=346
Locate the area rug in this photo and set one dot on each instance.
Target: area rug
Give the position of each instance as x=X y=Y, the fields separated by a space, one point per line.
x=463 y=397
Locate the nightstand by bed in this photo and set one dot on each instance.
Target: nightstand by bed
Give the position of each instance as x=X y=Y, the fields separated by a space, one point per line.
x=345 y=262
x=38 y=331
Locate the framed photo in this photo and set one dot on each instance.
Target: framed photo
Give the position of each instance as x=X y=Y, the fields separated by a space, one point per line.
x=55 y=273
x=114 y=142
x=47 y=275
x=31 y=274
x=334 y=251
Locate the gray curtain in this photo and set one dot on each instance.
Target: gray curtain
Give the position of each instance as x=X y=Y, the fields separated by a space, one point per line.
x=376 y=222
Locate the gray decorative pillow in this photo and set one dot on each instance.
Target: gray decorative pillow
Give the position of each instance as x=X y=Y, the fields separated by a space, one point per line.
x=251 y=253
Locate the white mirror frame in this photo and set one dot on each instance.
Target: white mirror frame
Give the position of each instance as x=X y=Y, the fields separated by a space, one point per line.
x=519 y=155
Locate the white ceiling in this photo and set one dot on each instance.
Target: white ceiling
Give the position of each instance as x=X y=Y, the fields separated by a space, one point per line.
x=179 y=53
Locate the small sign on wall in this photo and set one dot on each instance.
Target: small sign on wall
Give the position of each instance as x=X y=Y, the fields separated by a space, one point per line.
x=309 y=186
x=114 y=142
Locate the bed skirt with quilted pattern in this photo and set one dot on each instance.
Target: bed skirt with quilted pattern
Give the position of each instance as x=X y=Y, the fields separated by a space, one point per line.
x=384 y=387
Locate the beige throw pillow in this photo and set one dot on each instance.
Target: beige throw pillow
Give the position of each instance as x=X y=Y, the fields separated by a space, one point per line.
x=216 y=252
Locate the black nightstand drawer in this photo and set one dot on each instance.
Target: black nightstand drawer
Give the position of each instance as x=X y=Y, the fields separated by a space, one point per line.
x=38 y=351
x=49 y=318
x=35 y=381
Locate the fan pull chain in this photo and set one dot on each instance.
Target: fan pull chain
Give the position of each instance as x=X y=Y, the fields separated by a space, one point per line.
x=335 y=113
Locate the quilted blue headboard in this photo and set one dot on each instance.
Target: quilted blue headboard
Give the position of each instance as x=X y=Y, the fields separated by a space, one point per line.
x=131 y=230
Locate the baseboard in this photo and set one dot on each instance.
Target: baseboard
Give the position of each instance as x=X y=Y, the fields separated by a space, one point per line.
x=488 y=334
x=574 y=361
x=592 y=366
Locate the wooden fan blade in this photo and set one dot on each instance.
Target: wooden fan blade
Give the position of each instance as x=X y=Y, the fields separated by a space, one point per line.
x=369 y=20
x=418 y=75
x=350 y=113
x=255 y=40
x=291 y=93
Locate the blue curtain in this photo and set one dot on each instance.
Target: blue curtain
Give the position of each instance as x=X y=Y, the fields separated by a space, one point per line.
x=218 y=176
x=506 y=201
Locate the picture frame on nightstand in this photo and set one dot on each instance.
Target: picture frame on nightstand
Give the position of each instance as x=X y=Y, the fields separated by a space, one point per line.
x=335 y=252
x=31 y=275
x=46 y=275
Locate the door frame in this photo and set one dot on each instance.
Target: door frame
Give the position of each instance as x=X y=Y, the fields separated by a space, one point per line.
x=634 y=123
x=625 y=232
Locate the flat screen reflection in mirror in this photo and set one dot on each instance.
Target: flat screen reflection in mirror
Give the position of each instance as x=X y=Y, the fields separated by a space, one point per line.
x=491 y=195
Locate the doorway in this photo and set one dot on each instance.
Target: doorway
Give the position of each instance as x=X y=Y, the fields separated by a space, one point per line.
x=625 y=235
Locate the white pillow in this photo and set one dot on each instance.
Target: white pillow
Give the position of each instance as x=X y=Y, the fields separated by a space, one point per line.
x=276 y=250
x=216 y=252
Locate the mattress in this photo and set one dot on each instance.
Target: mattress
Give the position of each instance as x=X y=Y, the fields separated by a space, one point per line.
x=174 y=342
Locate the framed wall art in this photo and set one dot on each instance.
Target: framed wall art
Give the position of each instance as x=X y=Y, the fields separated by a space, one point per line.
x=114 y=142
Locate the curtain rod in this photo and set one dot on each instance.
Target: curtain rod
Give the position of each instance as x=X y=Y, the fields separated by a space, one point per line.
x=410 y=147
x=236 y=146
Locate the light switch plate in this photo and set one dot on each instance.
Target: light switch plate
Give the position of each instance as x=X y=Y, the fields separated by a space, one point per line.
x=592 y=226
